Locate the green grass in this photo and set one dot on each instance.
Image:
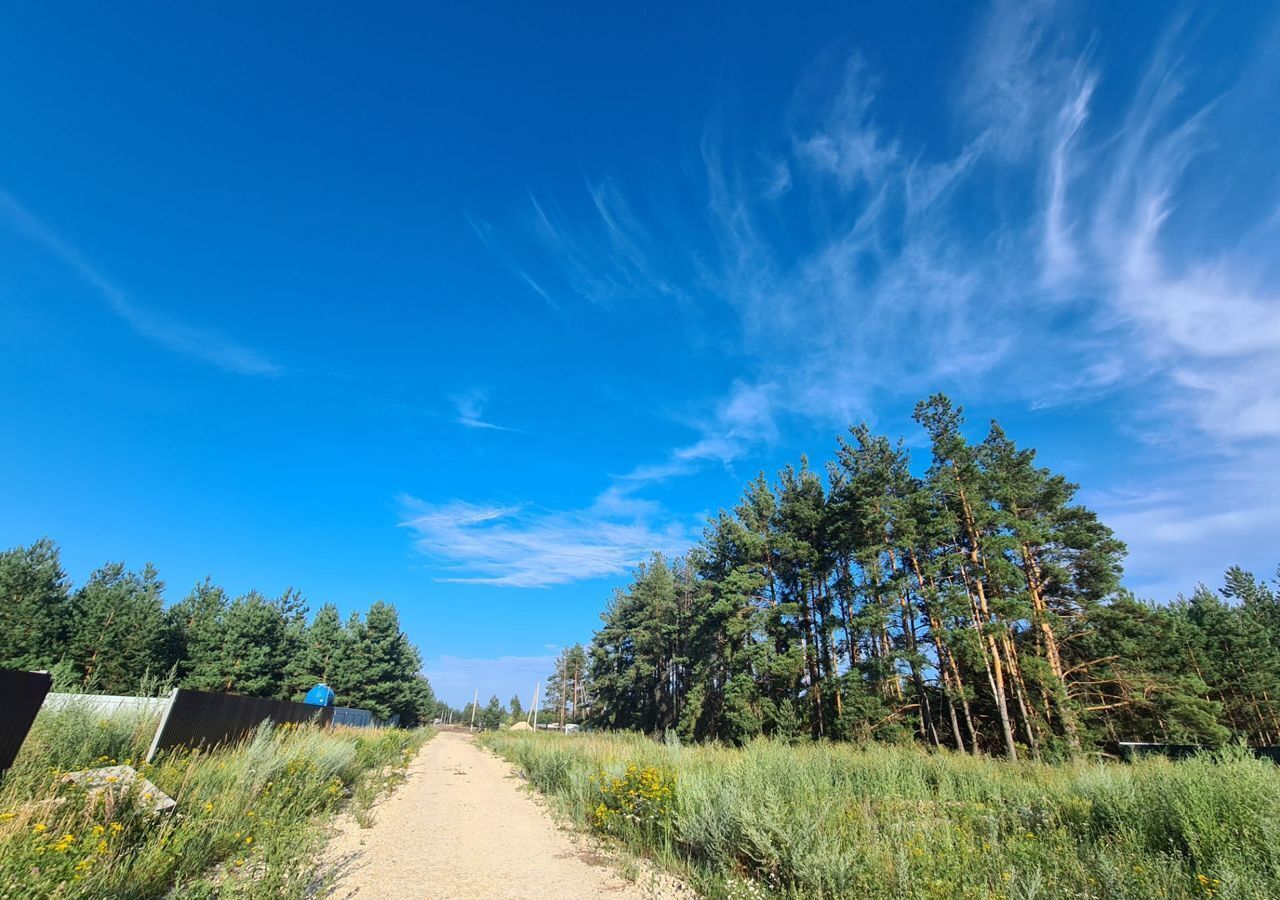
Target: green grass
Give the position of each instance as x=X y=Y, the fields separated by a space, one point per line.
x=826 y=820
x=249 y=821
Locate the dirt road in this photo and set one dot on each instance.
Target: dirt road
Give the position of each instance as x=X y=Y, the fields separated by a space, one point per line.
x=462 y=826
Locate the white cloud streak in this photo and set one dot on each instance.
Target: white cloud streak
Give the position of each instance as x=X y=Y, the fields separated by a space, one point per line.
x=523 y=546
x=470 y=407
x=198 y=343
x=896 y=292
x=1055 y=256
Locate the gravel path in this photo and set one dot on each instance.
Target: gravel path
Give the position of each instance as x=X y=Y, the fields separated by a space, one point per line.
x=462 y=826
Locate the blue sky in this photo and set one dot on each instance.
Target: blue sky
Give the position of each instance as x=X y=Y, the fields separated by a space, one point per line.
x=469 y=309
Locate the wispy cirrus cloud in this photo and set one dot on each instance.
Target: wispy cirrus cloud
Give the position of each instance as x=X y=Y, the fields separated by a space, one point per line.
x=198 y=343
x=1053 y=252
x=525 y=546
x=484 y=231
x=878 y=283
x=740 y=421
x=470 y=408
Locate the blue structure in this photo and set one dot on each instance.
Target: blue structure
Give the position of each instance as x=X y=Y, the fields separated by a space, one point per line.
x=320 y=695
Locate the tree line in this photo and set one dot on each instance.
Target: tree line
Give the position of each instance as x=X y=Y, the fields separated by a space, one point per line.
x=975 y=605
x=115 y=635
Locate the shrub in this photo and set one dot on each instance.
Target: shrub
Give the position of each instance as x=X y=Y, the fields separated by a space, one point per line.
x=641 y=798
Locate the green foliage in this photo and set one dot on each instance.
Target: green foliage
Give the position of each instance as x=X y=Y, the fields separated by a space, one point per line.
x=118 y=628
x=322 y=651
x=827 y=820
x=250 y=656
x=114 y=635
x=379 y=668
x=35 y=606
x=640 y=799
x=975 y=605
x=490 y=718
x=564 y=692
x=249 y=820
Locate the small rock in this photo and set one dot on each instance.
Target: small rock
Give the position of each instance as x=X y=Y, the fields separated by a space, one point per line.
x=122 y=779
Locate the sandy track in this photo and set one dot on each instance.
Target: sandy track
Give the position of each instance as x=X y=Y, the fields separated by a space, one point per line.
x=461 y=826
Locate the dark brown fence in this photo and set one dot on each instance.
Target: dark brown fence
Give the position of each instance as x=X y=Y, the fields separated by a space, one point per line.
x=1131 y=750
x=200 y=719
x=21 y=694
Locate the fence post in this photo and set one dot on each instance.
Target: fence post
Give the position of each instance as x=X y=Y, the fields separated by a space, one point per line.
x=164 y=720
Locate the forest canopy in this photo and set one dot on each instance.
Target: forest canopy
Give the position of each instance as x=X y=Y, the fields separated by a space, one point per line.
x=115 y=635
x=975 y=605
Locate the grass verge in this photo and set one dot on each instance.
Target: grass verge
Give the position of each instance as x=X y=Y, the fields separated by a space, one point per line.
x=249 y=820
x=883 y=822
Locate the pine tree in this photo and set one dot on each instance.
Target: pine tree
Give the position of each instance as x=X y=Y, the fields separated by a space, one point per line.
x=380 y=668
x=119 y=629
x=564 y=696
x=194 y=630
x=323 y=643
x=490 y=718
x=249 y=657
x=35 y=607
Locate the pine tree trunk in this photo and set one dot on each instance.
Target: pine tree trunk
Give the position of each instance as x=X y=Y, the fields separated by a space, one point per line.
x=951 y=677
x=1035 y=586
x=927 y=729
x=991 y=662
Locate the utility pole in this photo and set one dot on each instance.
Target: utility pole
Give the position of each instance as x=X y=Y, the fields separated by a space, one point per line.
x=535 y=705
x=564 y=695
x=576 y=673
x=473 y=709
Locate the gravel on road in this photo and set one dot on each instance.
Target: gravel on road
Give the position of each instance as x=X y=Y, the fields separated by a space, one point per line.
x=462 y=826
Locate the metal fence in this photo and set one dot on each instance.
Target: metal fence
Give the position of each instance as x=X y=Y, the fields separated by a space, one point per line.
x=200 y=719
x=1131 y=750
x=21 y=694
x=355 y=718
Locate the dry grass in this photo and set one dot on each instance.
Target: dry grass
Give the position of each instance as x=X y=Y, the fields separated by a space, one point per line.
x=884 y=822
x=248 y=823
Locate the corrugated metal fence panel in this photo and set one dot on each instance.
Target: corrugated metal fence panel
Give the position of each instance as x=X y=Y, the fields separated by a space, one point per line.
x=21 y=694
x=200 y=719
x=108 y=704
x=354 y=718
x=1130 y=750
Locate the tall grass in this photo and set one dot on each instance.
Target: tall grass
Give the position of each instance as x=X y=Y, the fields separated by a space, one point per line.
x=842 y=821
x=248 y=821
